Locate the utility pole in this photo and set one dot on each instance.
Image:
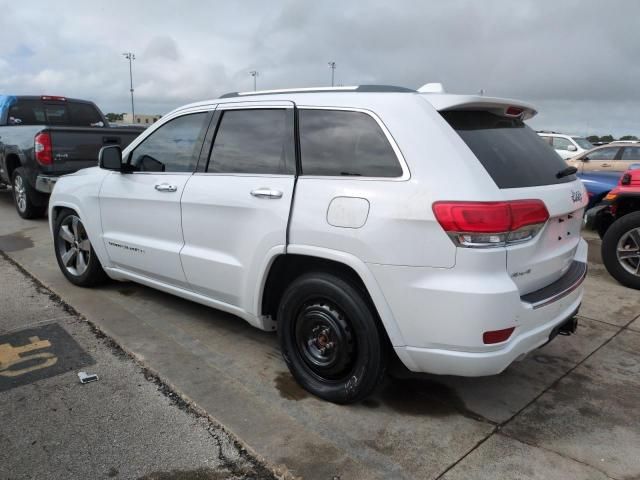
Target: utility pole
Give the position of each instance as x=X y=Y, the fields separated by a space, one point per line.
x=332 y=66
x=131 y=57
x=254 y=74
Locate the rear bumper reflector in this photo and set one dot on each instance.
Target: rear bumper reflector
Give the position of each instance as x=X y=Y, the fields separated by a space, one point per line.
x=563 y=286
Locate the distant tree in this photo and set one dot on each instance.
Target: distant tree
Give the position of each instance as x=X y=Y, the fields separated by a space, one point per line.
x=593 y=138
x=628 y=137
x=606 y=138
x=114 y=117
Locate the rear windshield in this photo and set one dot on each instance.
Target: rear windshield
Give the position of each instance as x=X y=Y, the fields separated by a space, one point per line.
x=37 y=112
x=583 y=143
x=511 y=152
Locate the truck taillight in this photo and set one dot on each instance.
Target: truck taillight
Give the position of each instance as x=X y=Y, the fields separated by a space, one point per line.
x=491 y=224
x=42 y=148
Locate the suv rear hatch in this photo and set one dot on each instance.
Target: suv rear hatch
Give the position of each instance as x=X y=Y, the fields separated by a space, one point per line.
x=524 y=167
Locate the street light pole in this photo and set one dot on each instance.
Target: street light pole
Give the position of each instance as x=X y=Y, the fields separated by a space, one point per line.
x=131 y=57
x=332 y=66
x=254 y=74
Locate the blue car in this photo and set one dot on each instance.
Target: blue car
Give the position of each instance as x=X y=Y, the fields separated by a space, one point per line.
x=598 y=184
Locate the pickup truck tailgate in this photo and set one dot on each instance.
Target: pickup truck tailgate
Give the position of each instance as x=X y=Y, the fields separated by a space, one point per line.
x=77 y=147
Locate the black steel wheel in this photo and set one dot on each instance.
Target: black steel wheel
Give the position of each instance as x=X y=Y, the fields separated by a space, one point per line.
x=331 y=338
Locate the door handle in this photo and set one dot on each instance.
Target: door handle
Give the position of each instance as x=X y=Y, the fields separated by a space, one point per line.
x=165 y=187
x=266 y=193
x=605 y=165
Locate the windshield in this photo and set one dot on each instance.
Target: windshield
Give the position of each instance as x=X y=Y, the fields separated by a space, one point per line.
x=511 y=152
x=583 y=143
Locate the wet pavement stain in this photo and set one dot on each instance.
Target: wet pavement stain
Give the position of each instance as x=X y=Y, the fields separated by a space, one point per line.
x=15 y=242
x=424 y=397
x=199 y=474
x=288 y=388
x=127 y=292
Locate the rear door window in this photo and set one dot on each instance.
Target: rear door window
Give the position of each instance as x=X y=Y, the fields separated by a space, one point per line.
x=345 y=143
x=84 y=115
x=511 y=152
x=631 y=153
x=254 y=141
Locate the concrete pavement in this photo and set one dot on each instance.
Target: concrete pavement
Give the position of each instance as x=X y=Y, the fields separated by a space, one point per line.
x=416 y=426
x=125 y=425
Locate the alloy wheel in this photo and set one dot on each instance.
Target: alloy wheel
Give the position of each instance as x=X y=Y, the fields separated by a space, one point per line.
x=73 y=246
x=628 y=251
x=20 y=193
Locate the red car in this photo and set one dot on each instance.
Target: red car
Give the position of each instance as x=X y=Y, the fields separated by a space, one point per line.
x=618 y=224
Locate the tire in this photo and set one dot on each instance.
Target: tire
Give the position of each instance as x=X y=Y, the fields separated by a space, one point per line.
x=28 y=201
x=75 y=255
x=331 y=338
x=621 y=250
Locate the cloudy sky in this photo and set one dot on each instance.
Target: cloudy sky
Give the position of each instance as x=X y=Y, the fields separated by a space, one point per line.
x=578 y=61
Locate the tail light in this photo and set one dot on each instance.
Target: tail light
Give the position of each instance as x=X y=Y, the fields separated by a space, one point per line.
x=42 y=148
x=626 y=179
x=491 y=224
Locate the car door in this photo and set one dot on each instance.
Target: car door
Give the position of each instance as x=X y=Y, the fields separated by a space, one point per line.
x=600 y=159
x=628 y=157
x=235 y=213
x=141 y=210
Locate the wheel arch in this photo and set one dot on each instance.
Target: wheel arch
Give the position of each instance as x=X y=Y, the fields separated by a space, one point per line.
x=299 y=259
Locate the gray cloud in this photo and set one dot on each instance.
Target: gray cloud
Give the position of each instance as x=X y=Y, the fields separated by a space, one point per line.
x=577 y=61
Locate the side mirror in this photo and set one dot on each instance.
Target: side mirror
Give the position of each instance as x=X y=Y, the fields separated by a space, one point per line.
x=572 y=148
x=585 y=159
x=110 y=158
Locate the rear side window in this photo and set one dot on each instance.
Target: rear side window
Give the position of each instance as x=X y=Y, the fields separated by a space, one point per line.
x=345 y=143
x=511 y=152
x=254 y=141
x=174 y=147
x=561 y=143
x=37 y=112
x=631 y=153
x=84 y=115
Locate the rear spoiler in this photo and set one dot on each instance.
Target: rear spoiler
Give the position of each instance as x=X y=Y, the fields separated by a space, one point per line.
x=499 y=106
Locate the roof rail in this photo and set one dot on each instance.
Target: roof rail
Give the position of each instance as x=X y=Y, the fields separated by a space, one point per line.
x=353 y=88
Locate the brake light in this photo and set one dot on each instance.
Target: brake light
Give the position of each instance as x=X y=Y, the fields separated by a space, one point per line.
x=514 y=111
x=53 y=98
x=497 y=336
x=42 y=148
x=626 y=179
x=491 y=224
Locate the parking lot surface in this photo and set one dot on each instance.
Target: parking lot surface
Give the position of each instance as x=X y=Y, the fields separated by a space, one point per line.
x=569 y=410
x=124 y=425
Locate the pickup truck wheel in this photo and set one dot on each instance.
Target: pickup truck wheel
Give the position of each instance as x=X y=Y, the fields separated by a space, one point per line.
x=330 y=338
x=25 y=196
x=74 y=252
x=621 y=250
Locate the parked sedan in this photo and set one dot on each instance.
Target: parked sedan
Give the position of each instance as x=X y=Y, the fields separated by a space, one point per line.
x=617 y=157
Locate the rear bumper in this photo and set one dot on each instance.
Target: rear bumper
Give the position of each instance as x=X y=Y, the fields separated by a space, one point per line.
x=45 y=183
x=477 y=364
x=442 y=315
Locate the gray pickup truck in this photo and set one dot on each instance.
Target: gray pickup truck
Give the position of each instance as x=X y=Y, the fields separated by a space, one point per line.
x=43 y=137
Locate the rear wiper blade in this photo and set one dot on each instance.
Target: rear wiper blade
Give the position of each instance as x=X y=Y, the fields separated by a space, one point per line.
x=565 y=172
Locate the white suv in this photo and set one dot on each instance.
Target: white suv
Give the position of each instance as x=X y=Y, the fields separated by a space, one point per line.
x=567 y=146
x=357 y=221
